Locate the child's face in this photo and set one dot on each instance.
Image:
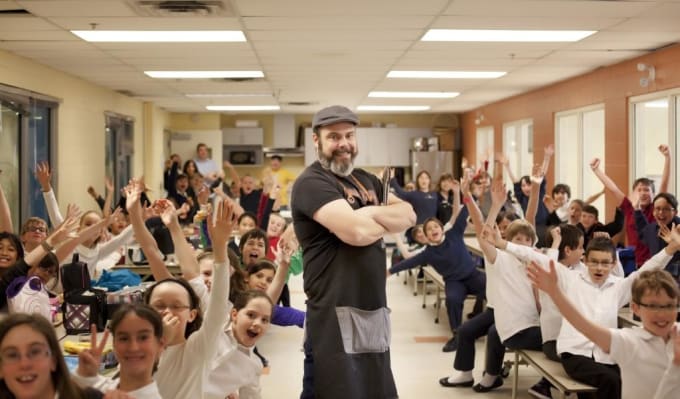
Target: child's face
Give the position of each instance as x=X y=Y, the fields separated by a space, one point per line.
x=446 y=185
x=35 y=233
x=434 y=232
x=420 y=237
x=260 y=280
x=247 y=184
x=645 y=194
x=573 y=256
x=275 y=226
x=588 y=220
x=245 y=225
x=119 y=224
x=253 y=249
x=574 y=213
x=89 y=220
x=251 y=322
x=424 y=182
x=205 y=267
x=503 y=226
x=182 y=184
x=172 y=299
x=8 y=253
x=136 y=347
x=35 y=373
x=560 y=198
x=663 y=211
x=522 y=239
x=657 y=321
x=600 y=264
x=44 y=274
x=196 y=183
x=526 y=187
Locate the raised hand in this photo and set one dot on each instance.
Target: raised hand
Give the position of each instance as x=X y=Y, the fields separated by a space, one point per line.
x=90 y=359
x=549 y=151
x=133 y=192
x=543 y=279
x=222 y=223
x=72 y=211
x=109 y=185
x=537 y=174
x=500 y=157
x=465 y=182
x=492 y=235
x=665 y=150
x=67 y=229
x=43 y=175
x=498 y=193
x=595 y=164
x=556 y=235
x=166 y=210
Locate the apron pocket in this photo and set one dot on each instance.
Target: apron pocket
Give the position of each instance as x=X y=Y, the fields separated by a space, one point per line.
x=364 y=331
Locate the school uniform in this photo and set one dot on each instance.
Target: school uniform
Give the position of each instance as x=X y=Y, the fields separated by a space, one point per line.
x=646 y=363
x=581 y=358
x=105 y=384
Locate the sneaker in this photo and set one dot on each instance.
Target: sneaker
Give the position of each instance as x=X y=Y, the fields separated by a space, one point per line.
x=451 y=345
x=541 y=389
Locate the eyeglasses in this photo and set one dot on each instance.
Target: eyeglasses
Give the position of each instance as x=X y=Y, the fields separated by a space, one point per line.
x=598 y=263
x=36 y=229
x=13 y=356
x=671 y=307
x=173 y=308
x=664 y=210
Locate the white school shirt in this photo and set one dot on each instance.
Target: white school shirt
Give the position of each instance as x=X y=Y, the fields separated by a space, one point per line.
x=599 y=304
x=91 y=256
x=183 y=369
x=234 y=368
x=646 y=363
x=104 y=384
x=511 y=295
x=551 y=318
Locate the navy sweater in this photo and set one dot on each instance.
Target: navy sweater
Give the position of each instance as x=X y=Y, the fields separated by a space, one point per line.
x=451 y=258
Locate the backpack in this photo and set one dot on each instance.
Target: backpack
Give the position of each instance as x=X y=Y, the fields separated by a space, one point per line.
x=75 y=276
x=83 y=308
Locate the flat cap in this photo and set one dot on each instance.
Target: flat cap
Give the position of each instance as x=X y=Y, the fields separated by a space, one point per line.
x=334 y=114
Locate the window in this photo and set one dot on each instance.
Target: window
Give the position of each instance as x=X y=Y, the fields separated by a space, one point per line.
x=27 y=136
x=518 y=147
x=654 y=122
x=485 y=148
x=119 y=149
x=579 y=139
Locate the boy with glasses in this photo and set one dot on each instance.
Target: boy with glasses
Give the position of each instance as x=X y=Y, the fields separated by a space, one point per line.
x=649 y=357
x=598 y=296
x=33 y=232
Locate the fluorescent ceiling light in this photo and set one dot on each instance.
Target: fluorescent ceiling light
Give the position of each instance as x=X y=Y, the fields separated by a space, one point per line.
x=203 y=74
x=393 y=108
x=488 y=35
x=243 y=108
x=160 y=36
x=445 y=74
x=413 y=94
x=221 y=95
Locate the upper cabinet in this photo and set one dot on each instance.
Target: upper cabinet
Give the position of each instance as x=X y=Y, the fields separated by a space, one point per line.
x=242 y=136
x=377 y=146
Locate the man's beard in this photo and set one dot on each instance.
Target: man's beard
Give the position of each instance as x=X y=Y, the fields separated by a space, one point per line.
x=338 y=168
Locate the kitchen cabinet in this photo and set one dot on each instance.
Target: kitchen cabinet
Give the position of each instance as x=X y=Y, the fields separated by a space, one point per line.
x=377 y=146
x=242 y=136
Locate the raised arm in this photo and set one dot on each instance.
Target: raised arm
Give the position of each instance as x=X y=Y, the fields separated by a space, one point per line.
x=547 y=281
x=595 y=196
x=666 y=174
x=537 y=178
x=234 y=175
x=142 y=234
x=478 y=219
x=548 y=153
x=106 y=209
x=183 y=250
x=60 y=236
x=607 y=181
x=283 y=254
x=43 y=175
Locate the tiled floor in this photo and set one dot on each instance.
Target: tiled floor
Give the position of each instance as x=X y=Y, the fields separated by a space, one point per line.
x=417 y=366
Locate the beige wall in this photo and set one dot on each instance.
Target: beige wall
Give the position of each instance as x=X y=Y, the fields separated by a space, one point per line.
x=80 y=124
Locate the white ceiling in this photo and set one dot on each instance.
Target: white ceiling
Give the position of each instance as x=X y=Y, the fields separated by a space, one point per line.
x=335 y=52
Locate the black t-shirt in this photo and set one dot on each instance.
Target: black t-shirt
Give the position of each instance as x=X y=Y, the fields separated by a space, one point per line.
x=336 y=273
x=250 y=202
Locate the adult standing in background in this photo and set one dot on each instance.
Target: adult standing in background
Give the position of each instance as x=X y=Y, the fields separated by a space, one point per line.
x=281 y=177
x=340 y=224
x=205 y=165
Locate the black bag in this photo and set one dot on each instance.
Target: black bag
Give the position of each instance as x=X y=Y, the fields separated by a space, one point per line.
x=75 y=276
x=83 y=308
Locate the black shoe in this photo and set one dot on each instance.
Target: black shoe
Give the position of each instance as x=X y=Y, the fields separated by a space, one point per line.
x=451 y=345
x=481 y=388
x=445 y=383
x=541 y=389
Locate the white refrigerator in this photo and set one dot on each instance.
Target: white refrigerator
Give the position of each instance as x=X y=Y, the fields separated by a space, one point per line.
x=435 y=162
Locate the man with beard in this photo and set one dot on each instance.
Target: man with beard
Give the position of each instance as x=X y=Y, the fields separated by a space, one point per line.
x=340 y=225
